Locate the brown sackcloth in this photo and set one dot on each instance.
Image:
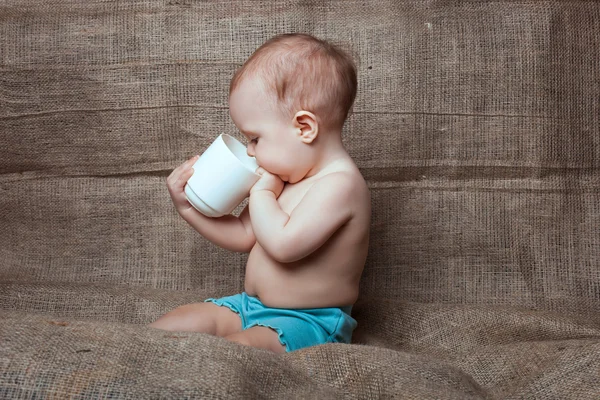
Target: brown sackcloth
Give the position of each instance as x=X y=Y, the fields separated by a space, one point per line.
x=476 y=125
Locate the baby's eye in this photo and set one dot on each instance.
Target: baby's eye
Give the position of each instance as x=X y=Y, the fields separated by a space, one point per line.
x=255 y=140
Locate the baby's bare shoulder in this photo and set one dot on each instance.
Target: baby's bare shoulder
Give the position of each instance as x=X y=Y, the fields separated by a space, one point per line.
x=349 y=187
x=338 y=181
x=345 y=179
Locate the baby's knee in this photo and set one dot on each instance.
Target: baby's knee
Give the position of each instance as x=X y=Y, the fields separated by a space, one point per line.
x=189 y=317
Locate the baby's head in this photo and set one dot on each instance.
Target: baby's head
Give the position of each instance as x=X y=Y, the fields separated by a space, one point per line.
x=290 y=99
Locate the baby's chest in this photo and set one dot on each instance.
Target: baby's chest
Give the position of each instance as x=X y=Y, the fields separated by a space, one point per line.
x=291 y=196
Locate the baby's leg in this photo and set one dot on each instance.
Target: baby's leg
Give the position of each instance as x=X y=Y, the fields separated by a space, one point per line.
x=261 y=337
x=200 y=317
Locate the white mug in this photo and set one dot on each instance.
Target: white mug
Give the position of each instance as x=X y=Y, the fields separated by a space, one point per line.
x=222 y=179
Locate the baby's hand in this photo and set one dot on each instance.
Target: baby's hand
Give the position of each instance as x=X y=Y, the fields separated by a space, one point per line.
x=268 y=181
x=176 y=183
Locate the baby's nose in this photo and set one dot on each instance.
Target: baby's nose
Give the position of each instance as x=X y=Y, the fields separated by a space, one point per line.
x=250 y=150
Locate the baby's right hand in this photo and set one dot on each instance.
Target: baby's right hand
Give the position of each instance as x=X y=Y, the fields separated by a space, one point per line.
x=176 y=183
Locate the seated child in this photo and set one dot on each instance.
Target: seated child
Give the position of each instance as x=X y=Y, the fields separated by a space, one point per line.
x=306 y=225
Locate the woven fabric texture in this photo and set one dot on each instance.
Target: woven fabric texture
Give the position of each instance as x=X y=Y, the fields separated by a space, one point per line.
x=475 y=125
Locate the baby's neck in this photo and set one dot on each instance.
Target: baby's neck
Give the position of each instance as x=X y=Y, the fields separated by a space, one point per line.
x=330 y=154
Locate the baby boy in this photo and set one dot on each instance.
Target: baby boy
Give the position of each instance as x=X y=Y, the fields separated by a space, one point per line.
x=306 y=225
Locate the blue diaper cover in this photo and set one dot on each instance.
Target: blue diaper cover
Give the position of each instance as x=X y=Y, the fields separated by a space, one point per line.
x=297 y=328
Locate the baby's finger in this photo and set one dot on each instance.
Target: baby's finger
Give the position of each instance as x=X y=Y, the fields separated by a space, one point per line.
x=184 y=177
x=177 y=171
x=173 y=176
x=189 y=163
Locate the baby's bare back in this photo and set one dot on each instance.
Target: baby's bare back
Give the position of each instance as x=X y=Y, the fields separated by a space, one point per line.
x=330 y=276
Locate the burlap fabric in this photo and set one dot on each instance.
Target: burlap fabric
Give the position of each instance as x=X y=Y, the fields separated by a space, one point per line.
x=476 y=125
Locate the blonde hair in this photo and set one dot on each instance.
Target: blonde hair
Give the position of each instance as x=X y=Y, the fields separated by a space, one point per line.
x=306 y=73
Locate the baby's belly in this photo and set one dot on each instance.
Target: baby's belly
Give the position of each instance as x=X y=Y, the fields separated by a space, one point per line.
x=313 y=282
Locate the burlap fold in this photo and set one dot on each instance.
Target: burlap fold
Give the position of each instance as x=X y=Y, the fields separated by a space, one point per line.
x=475 y=125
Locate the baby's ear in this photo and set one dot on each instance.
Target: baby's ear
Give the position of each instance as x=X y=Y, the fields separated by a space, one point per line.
x=307 y=126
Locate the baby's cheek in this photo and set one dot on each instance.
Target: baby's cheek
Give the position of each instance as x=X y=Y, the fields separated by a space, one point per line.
x=264 y=160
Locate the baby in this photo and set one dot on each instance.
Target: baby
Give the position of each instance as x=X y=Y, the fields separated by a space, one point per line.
x=306 y=225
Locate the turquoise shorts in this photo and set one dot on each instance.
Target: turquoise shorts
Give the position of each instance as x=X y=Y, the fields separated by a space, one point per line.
x=297 y=328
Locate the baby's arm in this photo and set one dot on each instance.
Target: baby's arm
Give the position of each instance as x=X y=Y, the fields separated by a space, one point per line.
x=228 y=232
x=323 y=210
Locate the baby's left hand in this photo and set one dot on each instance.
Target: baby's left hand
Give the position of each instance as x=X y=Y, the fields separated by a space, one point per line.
x=268 y=181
